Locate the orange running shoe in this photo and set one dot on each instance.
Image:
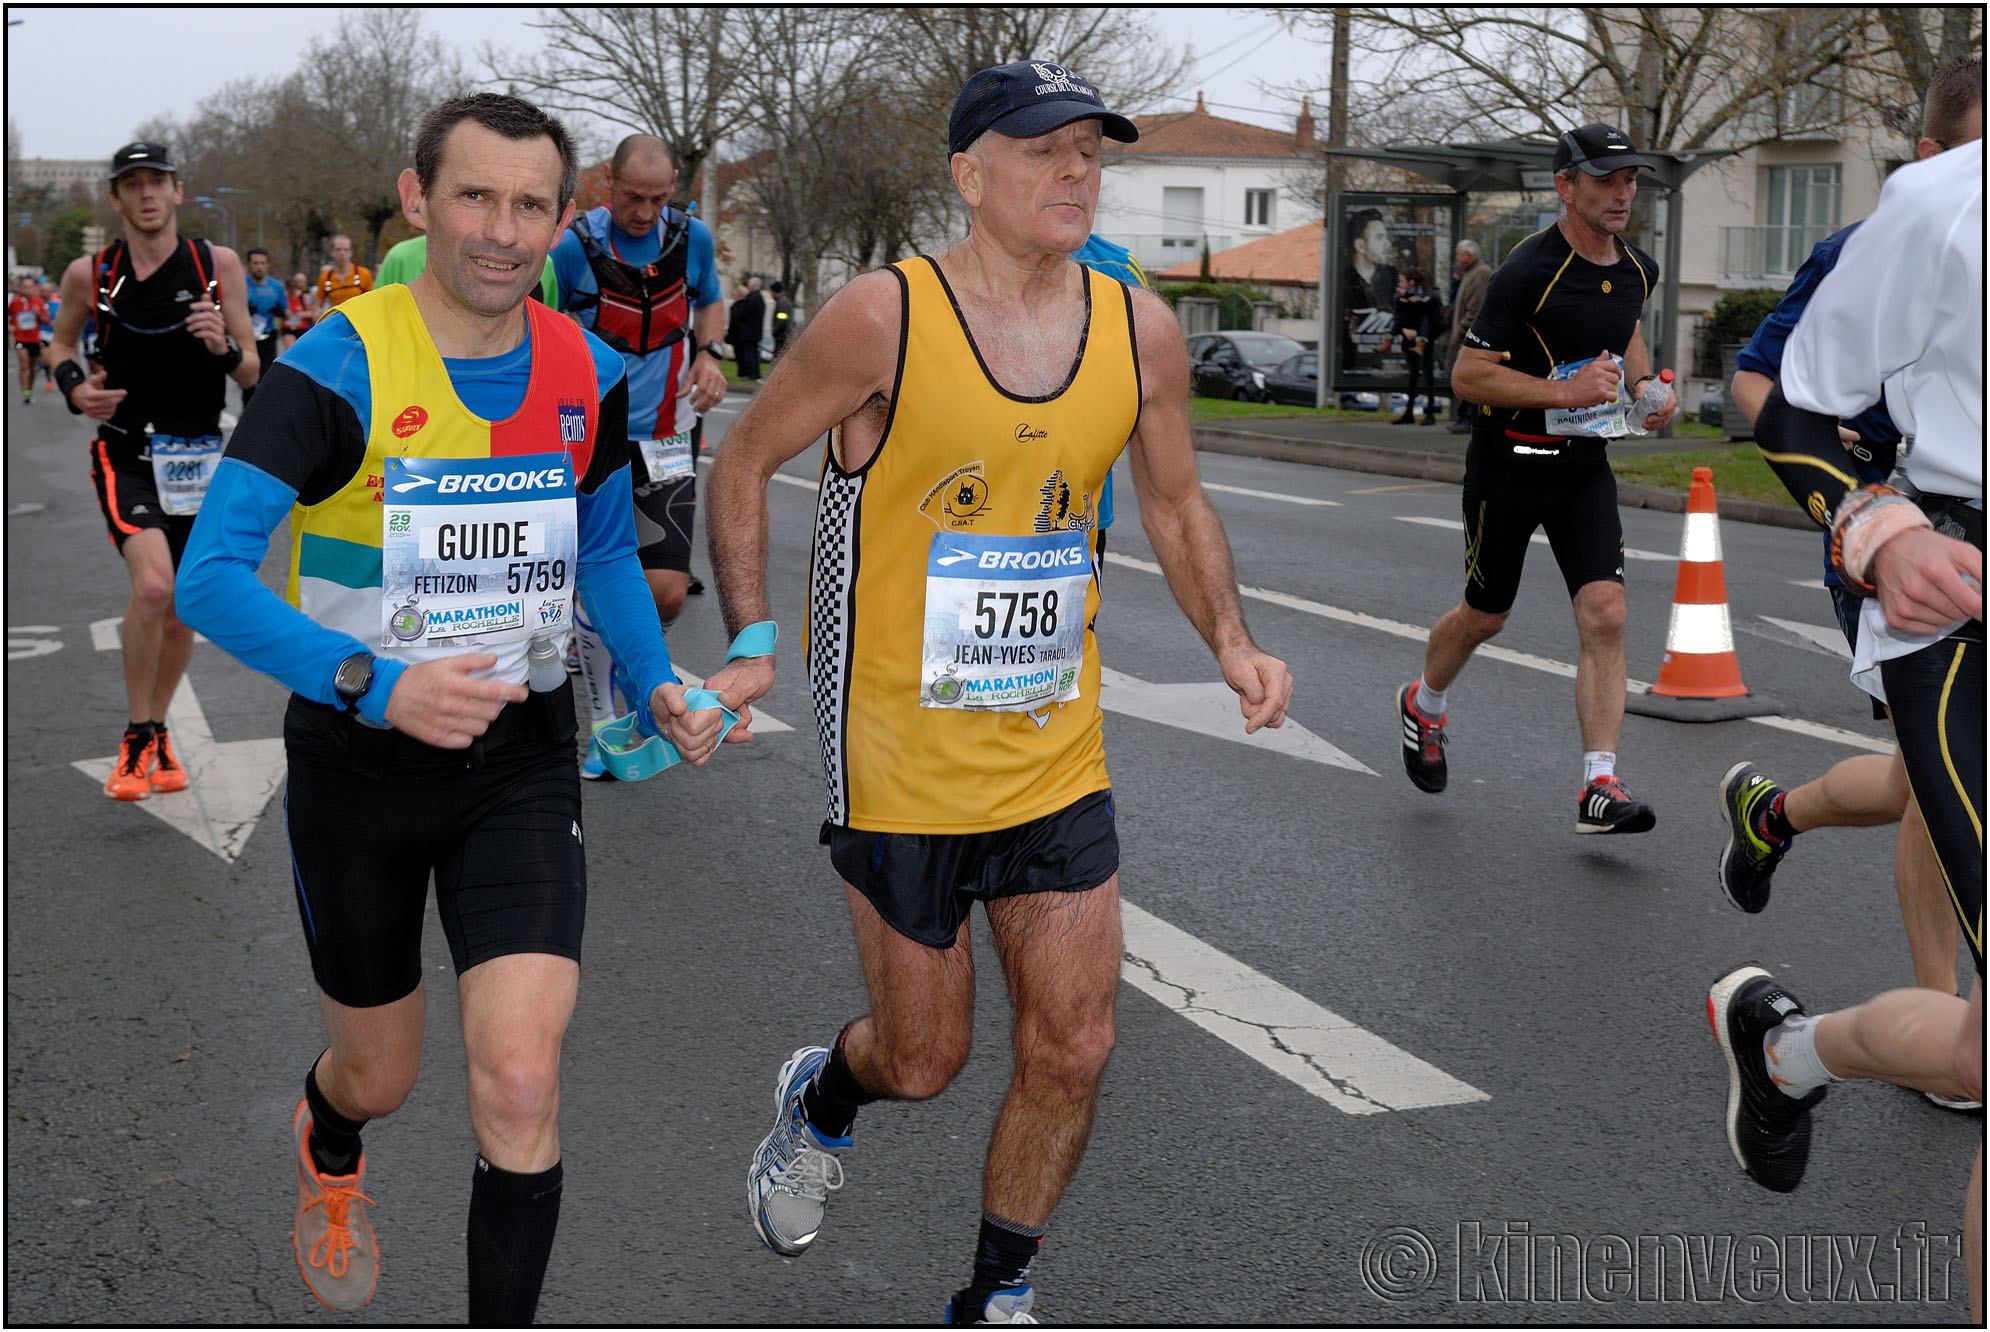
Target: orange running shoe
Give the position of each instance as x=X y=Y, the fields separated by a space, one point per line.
x=331 y=1235
x=168 y=775
x=128 y=779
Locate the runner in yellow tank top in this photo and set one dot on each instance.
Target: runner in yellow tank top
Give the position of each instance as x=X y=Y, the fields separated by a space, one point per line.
x=978 y=400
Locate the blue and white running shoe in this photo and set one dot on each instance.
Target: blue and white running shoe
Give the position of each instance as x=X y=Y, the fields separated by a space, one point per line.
x=795 y=1169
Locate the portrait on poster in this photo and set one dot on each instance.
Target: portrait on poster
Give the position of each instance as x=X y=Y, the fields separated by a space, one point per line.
x=1377 y=239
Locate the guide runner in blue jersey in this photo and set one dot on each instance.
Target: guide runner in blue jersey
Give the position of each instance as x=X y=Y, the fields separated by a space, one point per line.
x=640 y=274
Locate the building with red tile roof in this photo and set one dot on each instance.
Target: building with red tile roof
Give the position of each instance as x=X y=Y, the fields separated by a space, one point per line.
x=1194 y=178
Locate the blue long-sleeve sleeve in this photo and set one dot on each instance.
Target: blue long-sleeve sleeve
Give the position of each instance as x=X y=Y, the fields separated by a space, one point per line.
x=219 y=594
x=610 y=579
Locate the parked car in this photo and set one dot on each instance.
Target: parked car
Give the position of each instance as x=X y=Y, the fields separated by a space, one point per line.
x=1296 y=379
x=1233 y=365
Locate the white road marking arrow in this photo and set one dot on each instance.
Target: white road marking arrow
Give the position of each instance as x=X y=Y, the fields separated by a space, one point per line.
x=228 y=785
x=107 y=635
x=1831 y=639
x=1350 y=1068
x=1211 y=709
x=762 y=723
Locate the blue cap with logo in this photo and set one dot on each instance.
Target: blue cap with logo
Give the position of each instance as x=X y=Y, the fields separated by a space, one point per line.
x=1029 y=98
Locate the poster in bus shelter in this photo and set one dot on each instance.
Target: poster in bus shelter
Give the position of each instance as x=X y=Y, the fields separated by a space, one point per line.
x=1380 y=242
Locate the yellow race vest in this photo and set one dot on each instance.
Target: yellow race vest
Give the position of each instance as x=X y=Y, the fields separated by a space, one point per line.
x=954 y=689
x=512 y=589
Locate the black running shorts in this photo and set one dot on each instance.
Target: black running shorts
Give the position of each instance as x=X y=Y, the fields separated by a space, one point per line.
x=33 y=349
x=925 y=885
x=129 y=498
x=664 y=513
x=373 y=814
x=1937 y=699
x=1506 y=501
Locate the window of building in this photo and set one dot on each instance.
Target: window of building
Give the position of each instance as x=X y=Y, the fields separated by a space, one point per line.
x=1801 y=210
x=1257 y=207
x=1181 y=220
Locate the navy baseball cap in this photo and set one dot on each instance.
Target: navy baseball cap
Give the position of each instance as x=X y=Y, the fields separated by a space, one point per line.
x=1028 y=98
x=1597 y=149
x=141 y=155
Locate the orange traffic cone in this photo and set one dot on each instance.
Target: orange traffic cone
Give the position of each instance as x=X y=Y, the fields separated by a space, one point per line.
x=1700 y=677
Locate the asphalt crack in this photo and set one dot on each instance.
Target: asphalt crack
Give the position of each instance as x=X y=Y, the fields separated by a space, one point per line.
x=1190 y=1004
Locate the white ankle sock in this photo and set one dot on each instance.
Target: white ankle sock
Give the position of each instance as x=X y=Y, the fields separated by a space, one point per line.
x=1430 y=702
x=1793 y=1062
x=1598 y=763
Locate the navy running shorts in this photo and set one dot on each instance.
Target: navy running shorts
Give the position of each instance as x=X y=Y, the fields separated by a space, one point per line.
x=924 y=885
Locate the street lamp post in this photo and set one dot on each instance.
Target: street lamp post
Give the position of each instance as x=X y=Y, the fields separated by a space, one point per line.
x=227 y=216
x=230 y=189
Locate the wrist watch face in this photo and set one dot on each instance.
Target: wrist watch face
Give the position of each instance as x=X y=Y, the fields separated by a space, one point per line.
x=354 y=677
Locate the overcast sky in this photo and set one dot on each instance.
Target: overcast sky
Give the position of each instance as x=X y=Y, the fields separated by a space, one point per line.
x=75 y=91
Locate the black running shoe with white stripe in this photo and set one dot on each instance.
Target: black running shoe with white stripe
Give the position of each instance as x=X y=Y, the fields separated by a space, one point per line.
x=1606 y=807
x=1768 y=1132
x=1423 y=743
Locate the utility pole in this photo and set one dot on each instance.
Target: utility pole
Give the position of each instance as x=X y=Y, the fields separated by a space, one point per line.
x=1336 y=138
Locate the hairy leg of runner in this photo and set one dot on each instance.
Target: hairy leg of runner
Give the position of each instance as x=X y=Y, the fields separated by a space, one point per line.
x=175 y=650
x=374 y=1055
x=1600 y=611
x=1061 y=953
x=515 y=1014
x=1456 y=635
x=1863 y=791
x=669 y=587
x=146 y=616
x=1925 y=912
x=1905 y=1037
x=921 y=1023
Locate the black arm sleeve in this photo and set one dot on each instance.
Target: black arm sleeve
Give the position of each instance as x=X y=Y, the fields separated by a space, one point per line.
x=611 y=438
x=301 y=433
x=1806 y=453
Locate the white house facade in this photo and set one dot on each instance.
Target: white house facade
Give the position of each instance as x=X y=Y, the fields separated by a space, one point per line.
x=1193 y=177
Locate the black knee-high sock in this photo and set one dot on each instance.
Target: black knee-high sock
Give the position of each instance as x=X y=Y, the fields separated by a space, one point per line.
x=512 y=1220
x=334 y=1138
x=832 y=1098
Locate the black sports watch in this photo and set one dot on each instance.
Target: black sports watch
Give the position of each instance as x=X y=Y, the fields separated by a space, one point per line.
x=352 y=679
x=717 y=349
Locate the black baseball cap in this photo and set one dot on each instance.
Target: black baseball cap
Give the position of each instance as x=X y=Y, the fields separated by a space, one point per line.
x=140 y=156
x=1597 y=149
x=1028 y=98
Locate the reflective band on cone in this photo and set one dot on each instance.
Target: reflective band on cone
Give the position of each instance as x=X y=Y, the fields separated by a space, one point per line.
x=1699 y=641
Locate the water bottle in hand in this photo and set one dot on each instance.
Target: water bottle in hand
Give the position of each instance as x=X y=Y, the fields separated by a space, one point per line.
x=1651 y=400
